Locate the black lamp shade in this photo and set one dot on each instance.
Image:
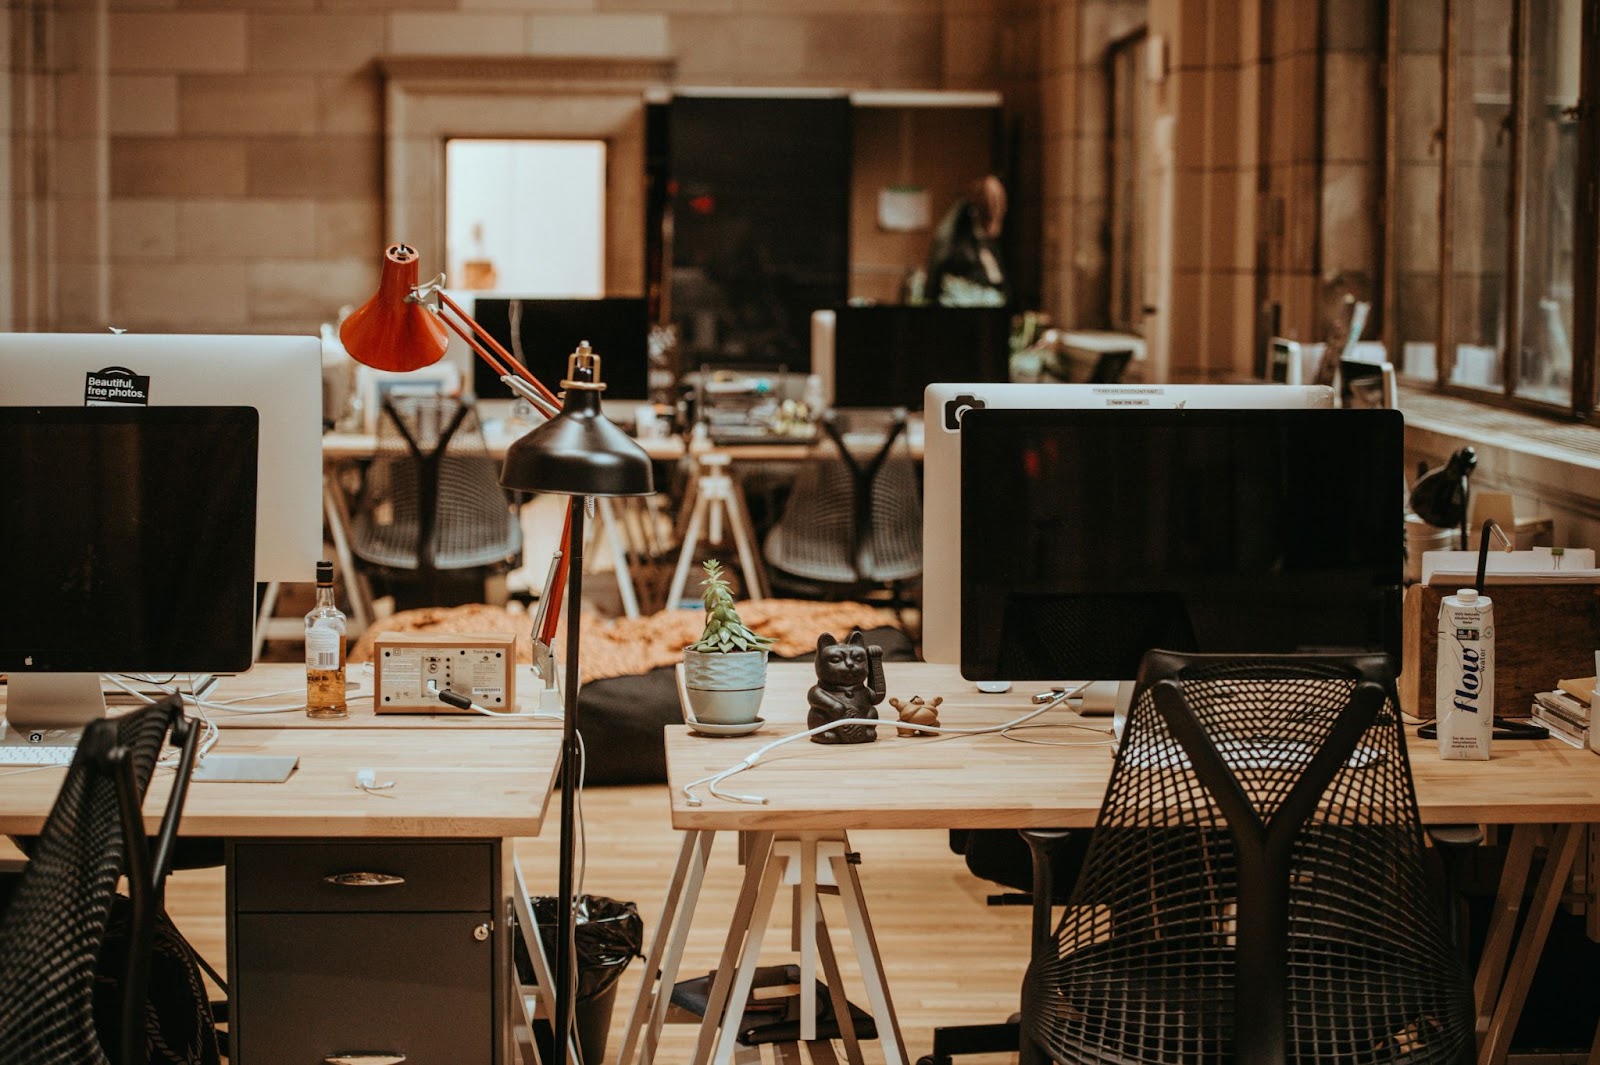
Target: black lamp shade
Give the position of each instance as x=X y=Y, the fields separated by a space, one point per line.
x=579 y=452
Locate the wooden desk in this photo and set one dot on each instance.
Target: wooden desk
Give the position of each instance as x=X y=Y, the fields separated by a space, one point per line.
x=993 y=782
x=318 y=969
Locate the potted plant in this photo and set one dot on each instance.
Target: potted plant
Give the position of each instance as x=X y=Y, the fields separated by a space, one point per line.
x=725 y=670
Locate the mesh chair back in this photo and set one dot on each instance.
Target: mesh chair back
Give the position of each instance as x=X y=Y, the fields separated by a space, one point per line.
x=852 y=519
x=432 y=498
x=51 y=933
x=1258 y=870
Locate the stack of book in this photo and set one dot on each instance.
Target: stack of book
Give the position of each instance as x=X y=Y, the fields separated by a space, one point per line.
x=1565 y=711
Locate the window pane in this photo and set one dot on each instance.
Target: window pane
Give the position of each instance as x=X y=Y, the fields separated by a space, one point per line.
x=1479 y=175
x=1419 y=118
x=526 y=217
x=1549 y=184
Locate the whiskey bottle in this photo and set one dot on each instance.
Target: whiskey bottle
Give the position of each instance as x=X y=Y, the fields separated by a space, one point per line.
x=325 y=651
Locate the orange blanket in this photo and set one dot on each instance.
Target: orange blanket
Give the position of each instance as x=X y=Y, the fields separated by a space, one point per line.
x=620 y=647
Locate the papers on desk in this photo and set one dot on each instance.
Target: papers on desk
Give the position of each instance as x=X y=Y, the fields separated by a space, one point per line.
x=1459 y=569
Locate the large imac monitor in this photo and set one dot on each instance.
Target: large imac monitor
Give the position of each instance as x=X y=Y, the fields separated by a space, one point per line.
x=127 y=546
x=543 y=332
x=885 y=356
x=941 y=509
x=1092 y=536
x=280 y=376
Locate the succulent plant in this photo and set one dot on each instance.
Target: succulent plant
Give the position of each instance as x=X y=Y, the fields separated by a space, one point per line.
x=724 y=631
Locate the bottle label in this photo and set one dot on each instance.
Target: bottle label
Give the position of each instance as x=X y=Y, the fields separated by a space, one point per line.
x=322 y=647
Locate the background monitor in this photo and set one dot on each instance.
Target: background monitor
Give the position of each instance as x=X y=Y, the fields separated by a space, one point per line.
x=128 y=545
x=941 y=509
x=547 y=330
x=1093 y=536
x=887 y=355
x=1365 y=384
x=280 y=376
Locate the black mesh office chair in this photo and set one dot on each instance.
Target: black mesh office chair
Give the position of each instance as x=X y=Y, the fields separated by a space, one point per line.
x=1261 y=860
x=432 y=500
x=851 y=522
x=54 y=926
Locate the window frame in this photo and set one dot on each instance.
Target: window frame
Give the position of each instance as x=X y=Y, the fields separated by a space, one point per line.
x=1582 y=402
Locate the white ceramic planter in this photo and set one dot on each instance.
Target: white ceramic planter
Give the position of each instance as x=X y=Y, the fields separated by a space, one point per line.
x=725 y=689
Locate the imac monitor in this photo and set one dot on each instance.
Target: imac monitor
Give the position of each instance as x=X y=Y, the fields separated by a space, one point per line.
x=128 y=545
x=1092 y=536
x=280 y=376
x=547 y=330
x=886 y=356
x=942 y=413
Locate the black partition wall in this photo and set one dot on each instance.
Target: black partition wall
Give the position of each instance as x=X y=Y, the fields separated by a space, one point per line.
x=759 y=194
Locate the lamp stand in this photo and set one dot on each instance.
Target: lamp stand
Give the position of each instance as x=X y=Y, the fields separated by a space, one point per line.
x=571 y=771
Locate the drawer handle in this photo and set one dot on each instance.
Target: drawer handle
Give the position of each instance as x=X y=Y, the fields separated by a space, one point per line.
x=364 y=879
x=370 y=1057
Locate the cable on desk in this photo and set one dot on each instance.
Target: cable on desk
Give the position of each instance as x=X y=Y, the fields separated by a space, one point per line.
x=755 y=757
x=462 y=702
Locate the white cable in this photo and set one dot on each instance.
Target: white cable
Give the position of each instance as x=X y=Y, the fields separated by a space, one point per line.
x=749 y=762
x=476 y=707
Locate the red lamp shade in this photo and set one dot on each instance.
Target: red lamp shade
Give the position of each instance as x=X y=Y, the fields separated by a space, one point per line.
x=393 y=331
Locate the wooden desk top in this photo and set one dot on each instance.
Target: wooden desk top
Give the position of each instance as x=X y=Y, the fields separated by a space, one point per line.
x=994 y=782
x=347 y=447
x=452 y=778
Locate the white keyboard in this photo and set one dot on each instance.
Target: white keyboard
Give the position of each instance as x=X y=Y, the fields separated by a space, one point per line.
x=40 y=754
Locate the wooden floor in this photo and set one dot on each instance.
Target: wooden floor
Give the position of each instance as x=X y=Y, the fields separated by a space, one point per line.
x=950 y=958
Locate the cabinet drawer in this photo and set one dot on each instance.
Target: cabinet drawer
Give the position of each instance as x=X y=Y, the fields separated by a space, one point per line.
x=409 y=877
x=312 y=986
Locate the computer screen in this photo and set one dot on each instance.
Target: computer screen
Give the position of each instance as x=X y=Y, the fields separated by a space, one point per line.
x=941 y=510
x=547 y=331
x=280 y=376
x=128 y=541
x=1091 y=536
x=886 y=356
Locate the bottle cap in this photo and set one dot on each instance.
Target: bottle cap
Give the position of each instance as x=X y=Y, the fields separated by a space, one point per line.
x=324 y=572
x=1467 y=595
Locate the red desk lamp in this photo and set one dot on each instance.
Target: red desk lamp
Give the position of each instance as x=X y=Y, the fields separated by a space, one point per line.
x=578 y=453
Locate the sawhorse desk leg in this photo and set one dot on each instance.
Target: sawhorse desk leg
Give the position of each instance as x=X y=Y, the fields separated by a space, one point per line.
x=1499 y=1004
x=809 y=862
x=715 y=495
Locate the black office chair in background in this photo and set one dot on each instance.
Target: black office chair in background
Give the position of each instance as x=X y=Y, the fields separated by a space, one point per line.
x=1254 y=891
x=55 y=1006
x=852 y=522
x=432 y=504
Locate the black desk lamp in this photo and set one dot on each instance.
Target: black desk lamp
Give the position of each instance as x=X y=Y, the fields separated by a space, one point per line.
x=1440 y=496
x=581 y=454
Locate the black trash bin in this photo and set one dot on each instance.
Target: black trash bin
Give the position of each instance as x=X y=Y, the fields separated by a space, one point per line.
x=609 y=934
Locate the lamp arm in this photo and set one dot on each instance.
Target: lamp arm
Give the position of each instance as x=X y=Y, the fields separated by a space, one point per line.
x=529 y=387
x=463 y=325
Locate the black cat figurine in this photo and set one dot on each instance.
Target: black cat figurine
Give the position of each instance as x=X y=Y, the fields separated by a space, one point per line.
x=849 y=685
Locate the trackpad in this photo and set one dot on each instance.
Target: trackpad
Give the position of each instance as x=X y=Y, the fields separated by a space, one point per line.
x=246 y=768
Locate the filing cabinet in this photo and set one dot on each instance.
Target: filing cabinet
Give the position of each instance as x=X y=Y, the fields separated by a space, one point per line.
x=366 y=950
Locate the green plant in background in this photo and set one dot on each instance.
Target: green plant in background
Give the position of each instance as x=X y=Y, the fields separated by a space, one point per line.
x=724 y=631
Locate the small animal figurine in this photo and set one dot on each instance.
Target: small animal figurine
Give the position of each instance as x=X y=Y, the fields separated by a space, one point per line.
x=849 y=685
x=917 y=712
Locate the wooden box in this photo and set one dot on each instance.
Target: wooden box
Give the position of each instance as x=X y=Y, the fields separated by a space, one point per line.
x=1543 y=632
x=479 y=665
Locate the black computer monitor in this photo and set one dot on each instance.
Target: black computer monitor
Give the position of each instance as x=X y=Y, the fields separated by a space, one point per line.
x=886 y=356
x=1091 y=536
x=127 y=545
x=616 y=327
